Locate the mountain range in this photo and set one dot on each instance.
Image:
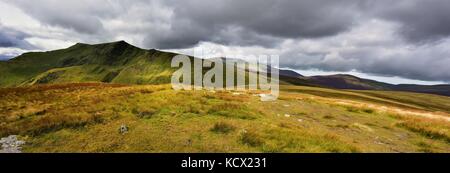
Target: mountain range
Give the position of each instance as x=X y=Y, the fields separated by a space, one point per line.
x=120 y=62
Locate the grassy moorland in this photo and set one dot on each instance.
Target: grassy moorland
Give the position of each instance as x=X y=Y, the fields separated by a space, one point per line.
x=87 y=117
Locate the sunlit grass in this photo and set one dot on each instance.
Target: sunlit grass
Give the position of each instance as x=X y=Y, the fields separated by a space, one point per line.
x=87 y=118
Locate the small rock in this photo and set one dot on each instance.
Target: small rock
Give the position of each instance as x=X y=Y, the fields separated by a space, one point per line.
x=123 y=129
x=267 y=97
x=287 y=115
x=10 y=144
x=300 y=120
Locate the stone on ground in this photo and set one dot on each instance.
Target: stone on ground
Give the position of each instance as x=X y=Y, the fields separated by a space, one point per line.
x=10 y=144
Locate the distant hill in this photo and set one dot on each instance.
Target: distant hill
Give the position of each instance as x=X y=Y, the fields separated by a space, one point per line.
x=290 y=73
x=120 y=62
x=343 y=81
x=432 y=89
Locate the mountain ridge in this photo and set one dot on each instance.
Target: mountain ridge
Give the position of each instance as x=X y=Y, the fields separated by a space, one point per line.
x=345 y=81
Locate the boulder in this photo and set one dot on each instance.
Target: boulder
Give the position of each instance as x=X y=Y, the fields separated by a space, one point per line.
x=11 y=144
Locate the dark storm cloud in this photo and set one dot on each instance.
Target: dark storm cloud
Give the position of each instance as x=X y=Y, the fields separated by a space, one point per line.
x=428 y=63
x=264 y=21
x=188 y=36
x=12 y=38
x=420 y=20
x=260 y=22
x=253 y=22
x=82 y=16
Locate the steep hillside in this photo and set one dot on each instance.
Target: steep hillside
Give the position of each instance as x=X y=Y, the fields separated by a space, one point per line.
x=117 y=62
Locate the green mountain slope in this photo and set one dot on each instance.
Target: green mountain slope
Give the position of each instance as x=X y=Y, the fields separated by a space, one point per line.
x=117 y=62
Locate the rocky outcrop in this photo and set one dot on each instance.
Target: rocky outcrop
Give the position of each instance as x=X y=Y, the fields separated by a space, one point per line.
x=11 y=144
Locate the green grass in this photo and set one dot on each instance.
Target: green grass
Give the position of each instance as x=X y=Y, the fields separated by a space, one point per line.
x=251 y=138
x=86 y=118
x=432 y=129
x=405 y=100
x=437 y=103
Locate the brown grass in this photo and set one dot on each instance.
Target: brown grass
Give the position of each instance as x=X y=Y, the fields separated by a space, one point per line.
x=430 y=128
x=251 y=138
x=222 y=127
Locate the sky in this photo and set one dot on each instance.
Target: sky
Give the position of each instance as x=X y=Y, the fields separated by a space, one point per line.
x=401 y=41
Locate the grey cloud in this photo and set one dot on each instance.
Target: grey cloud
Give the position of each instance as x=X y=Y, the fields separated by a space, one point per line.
x=239 y=36
x=253 y=22
x=188 y=36
x=79 y=23
x=420 y=21
x=180 y=35
x=422 y=62
x=82 y=16
x=260 y=21
x=13 y=38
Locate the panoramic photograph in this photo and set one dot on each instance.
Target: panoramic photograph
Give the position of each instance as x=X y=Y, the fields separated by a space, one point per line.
x=224 y=76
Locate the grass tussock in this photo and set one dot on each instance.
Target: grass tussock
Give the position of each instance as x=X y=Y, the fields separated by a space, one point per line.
x=360 y=110
x=144 y=113
x=432 y=129
x=368 y=110
x=251 y=138
x=329 y=117
x=232 y=110
x=222 y=127
x=49 y=123
x=226 y=96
